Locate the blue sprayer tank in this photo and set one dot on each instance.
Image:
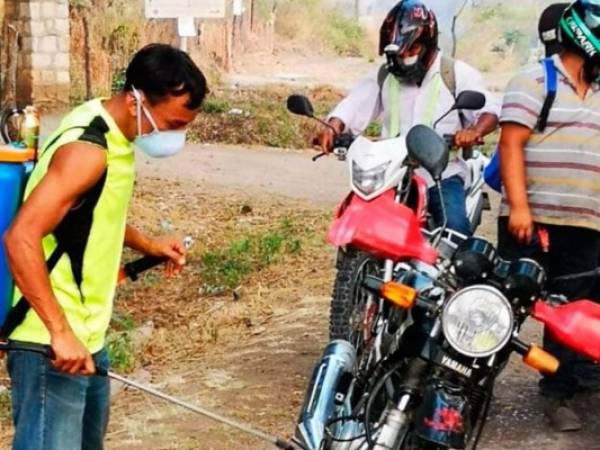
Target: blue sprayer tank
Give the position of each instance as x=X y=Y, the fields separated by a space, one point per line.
x=15 y=167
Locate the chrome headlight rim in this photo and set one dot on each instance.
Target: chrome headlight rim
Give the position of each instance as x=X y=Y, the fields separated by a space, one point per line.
x=449 y=336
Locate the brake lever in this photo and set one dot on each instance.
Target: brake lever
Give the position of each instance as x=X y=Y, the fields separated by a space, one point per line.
x=320 y=155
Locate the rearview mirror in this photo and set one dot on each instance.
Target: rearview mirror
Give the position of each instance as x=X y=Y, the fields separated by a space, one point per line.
x=299 y=104
x=429 y=149
x=472 y=100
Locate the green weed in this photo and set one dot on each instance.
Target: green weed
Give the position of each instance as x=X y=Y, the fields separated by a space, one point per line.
x=226 y=268
x=215 y=106
x=119 y=342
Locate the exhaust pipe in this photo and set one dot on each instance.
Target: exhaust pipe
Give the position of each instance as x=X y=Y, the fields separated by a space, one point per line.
x=338 y=360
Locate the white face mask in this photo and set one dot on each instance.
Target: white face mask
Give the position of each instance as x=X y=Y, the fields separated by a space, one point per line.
x=411 y=60
x=157 y=144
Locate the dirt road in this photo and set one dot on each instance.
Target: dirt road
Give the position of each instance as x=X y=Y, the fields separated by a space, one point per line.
x=260 y=377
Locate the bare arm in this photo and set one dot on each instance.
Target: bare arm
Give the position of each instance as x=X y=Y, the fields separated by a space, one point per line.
x=486 y=124
x=168 y=247
x=74 y=169
x=513 y=139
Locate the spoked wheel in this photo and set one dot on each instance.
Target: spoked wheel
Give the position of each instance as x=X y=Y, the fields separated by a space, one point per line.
x=348 y=314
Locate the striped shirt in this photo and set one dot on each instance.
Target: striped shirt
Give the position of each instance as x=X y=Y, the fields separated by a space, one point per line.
x=562 y=163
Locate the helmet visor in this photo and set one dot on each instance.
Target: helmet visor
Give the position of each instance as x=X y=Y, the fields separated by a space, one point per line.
x=591 y=15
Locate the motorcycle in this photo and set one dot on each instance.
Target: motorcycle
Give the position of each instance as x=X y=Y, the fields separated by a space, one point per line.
x=445 y=331
x=380 y=222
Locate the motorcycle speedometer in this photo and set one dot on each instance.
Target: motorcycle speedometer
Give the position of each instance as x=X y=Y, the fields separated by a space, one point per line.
x=478 y=321
x=474 y=259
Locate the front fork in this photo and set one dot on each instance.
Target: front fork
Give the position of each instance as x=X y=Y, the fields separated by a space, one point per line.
x=394 y=430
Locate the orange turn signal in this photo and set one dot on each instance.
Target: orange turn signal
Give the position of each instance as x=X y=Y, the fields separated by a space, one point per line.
x=541 y=360
x=399 y=294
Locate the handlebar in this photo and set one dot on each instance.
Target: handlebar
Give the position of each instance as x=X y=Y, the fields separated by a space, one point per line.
x=578 y=276
x=341 y=144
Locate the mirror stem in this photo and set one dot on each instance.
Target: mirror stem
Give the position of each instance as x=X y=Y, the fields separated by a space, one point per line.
x=441 y=118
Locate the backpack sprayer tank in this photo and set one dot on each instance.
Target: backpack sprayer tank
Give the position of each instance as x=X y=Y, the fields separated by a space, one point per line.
x=17 y=156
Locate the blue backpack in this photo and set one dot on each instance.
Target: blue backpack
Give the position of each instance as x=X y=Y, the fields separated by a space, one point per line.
x=491 y=173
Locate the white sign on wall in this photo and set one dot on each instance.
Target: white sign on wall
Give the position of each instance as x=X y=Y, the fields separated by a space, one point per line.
x=171 y=9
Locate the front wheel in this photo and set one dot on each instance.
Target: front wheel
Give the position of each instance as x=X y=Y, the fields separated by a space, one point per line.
x=350 y=300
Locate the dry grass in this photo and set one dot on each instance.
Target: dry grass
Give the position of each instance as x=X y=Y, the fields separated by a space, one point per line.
x=187 y=319
x=190 y=312
x=262 y=117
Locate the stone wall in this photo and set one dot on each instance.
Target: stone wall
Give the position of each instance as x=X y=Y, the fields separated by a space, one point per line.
x=70 y=53
x=43 y=63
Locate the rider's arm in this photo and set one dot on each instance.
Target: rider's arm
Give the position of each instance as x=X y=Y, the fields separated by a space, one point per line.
x=482 y=122
x=469 y=78
x=74 y=169
x=486 y=123
x=360 y=107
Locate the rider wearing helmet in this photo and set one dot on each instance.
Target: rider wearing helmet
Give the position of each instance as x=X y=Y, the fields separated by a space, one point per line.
x=551 y=184
x=417 y=85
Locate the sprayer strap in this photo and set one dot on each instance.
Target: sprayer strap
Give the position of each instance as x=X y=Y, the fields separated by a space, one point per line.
x=17 y=314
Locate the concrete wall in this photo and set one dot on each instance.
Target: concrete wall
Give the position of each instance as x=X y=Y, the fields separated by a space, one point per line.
x=43 y=62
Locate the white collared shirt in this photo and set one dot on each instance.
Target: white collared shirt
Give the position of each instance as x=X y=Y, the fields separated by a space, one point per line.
x=364 y=104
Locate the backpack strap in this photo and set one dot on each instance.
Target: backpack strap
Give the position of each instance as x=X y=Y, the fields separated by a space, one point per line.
x=93 y=134
x=551 y=86
x=448 y=72
x=382 y=74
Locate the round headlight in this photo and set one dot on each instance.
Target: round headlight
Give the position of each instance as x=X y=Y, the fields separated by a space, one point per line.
x=478 y=321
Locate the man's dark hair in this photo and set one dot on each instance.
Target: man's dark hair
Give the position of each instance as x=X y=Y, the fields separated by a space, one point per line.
x=159 y=70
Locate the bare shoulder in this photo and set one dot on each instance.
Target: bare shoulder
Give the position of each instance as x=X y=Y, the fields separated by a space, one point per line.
x=78 y=162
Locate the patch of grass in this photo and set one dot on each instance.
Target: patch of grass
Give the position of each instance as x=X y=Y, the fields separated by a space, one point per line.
x=226 y=267
x=214 y=105
x=344 y=35
x=496 y=37
x=119 y=342
x=264 y=118
x=309 y=21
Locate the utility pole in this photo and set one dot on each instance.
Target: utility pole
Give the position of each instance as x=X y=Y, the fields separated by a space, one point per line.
x=454 y=20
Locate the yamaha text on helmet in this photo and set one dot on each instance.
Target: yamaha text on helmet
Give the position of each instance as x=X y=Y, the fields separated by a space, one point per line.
x=409 y=39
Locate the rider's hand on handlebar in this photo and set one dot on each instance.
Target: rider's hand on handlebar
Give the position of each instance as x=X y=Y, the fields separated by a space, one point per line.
x=468 y=138
x=325 y=140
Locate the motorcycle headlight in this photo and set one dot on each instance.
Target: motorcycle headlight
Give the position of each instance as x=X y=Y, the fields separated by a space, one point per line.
x=478 y=321
x=369 y=181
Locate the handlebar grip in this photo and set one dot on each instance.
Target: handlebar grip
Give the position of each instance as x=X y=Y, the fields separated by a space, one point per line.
x=449 y=138
x=320 y=155
x=133 y=269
